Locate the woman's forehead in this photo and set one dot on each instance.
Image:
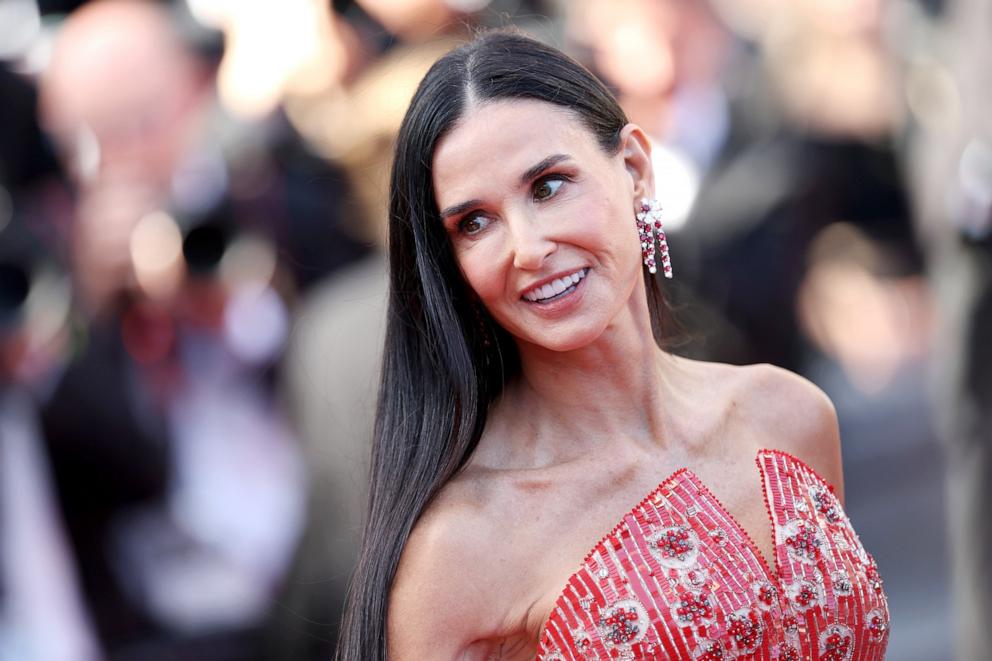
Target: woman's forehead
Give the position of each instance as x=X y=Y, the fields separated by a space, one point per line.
x=501 y=139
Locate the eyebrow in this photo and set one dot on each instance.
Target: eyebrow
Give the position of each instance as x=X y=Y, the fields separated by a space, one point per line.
x=549 y=162
x=531 y=173
x=459 y=208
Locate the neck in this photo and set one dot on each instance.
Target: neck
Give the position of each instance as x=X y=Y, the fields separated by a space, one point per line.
x=617 y=389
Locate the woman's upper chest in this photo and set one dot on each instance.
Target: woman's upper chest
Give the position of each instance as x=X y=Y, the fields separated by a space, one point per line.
x=551 y=523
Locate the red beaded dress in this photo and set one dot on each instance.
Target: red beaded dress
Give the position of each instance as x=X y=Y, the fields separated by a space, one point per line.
x=679 y=578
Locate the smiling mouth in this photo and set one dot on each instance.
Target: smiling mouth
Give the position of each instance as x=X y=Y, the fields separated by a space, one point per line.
x=557 y=288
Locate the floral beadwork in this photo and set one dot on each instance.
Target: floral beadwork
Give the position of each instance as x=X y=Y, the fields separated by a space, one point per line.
x=842 y=583
x=766 y=594
x=803 y=540
x=836 y=643
x=675 y=546
x=804 y=595
x=624 y=623
x=679 y=577
x=709 y=650
x=693 y=607
x=745 y=630
x=825 y=504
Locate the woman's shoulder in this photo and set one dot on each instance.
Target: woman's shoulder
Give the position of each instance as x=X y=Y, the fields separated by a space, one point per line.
x=764 y=392
x=794 y=415
x=771 y=392
x=779 y=409
x=442 y=594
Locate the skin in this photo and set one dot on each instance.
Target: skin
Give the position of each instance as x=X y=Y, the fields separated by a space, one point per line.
x=600 y=415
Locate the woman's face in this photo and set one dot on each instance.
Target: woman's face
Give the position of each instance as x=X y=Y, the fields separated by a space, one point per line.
x=541 y=219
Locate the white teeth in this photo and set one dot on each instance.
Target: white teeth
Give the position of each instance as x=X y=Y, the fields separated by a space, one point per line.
x=555 y=287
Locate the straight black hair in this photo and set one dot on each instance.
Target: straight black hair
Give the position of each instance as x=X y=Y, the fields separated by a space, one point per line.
x=440 y=370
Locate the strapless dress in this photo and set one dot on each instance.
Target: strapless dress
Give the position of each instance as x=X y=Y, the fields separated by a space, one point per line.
x=679 y=578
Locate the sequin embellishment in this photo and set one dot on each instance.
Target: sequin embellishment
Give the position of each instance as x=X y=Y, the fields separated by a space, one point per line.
x=803 y=540
x=693 y=607
x=745 y=630
x=624 y=623
x=836 y=643
x=679 y=578
x=675 y=547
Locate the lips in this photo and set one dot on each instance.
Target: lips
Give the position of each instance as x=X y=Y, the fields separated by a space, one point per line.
x=555 y=287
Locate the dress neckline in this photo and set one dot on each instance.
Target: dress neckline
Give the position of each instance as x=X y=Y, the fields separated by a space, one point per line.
x=772 y=572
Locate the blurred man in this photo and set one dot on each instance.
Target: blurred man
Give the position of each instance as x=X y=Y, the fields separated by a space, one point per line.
x=748 y=169
x=179 y=475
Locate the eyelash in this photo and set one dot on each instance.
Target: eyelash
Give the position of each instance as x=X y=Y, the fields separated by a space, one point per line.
x=559 y=178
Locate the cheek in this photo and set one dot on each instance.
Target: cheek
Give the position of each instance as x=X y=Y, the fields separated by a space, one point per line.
x=615 y=231
x=482 y=272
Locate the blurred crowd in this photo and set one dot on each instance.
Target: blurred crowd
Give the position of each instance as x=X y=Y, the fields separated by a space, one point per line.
x=192 y=287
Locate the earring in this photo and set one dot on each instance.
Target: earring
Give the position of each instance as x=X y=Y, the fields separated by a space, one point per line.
x=649 y=226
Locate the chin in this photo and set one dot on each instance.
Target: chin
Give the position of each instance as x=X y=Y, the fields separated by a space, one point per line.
x=566 y=340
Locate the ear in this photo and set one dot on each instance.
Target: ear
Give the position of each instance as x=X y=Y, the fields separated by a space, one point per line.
x=636 y=151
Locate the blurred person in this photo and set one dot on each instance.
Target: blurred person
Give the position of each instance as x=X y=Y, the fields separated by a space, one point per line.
x=949 y=156
x=136 y=114
x=42 y=615
x=680 y=73
x=849 y=277
x=667 y=61
x=806 y=44
x=178 y=471
x=527 y=397
x=751 y=175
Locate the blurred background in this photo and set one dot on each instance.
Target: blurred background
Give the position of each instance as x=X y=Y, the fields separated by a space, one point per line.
x=192 y=288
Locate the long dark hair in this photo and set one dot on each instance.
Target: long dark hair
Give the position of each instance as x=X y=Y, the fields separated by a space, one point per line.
x=441 y=370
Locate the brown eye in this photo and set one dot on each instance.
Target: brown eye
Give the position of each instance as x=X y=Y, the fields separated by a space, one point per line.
x=547 y=187
x=473 y=224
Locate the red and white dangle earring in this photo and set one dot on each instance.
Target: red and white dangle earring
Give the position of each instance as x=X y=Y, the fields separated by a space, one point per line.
x=649 y=226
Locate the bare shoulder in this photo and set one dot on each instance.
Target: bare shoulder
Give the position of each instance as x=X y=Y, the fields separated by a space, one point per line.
x=437 y=603
x=792 y=414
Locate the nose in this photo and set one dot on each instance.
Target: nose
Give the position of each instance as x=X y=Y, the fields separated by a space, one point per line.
x=531 y=243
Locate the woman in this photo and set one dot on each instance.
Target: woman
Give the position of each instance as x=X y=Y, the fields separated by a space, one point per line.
x=526 y=405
